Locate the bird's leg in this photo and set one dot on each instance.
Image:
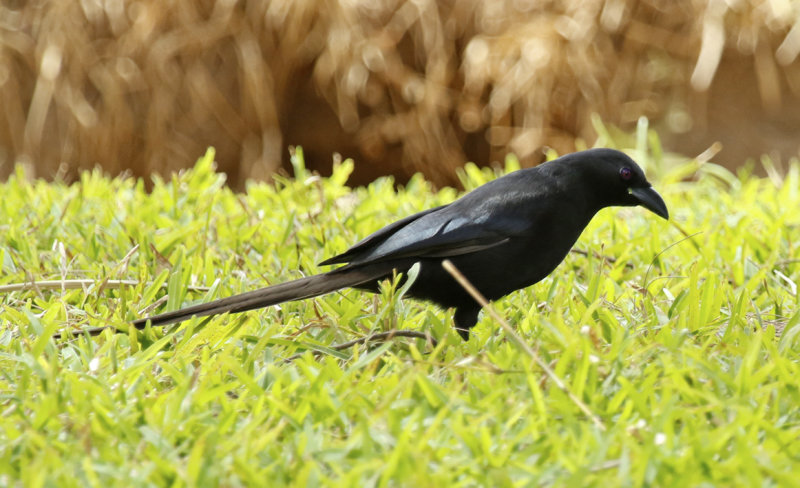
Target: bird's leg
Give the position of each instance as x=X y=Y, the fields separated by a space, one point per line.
x=464 y=319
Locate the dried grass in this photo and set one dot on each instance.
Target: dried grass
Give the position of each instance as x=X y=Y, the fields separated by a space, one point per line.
x=401 y=85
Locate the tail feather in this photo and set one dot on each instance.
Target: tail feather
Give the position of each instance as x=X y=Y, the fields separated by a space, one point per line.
x=308 y=287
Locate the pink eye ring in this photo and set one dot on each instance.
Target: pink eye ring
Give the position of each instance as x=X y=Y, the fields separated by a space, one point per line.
x=626 y=173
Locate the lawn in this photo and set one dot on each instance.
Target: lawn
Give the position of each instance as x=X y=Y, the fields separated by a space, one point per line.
x=680 y=337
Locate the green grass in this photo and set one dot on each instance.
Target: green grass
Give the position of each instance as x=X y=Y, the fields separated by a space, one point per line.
x=685 y=348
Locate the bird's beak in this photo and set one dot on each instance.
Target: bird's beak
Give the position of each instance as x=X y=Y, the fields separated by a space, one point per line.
x=651 y=200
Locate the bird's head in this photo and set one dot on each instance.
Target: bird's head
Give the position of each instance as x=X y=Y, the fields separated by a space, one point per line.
x=618 y=180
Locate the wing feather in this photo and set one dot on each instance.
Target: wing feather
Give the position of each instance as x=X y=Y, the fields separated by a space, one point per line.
x=488 y=216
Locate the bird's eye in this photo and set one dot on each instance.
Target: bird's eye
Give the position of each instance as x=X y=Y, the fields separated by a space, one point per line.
x=626 y=174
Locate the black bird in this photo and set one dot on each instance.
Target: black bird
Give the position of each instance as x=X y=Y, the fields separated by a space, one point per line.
x=505 y=235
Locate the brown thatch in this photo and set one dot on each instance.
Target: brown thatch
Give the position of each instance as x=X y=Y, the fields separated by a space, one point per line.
x=402 y=86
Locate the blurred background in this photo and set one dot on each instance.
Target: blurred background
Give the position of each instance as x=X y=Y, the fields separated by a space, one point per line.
x=401 y=86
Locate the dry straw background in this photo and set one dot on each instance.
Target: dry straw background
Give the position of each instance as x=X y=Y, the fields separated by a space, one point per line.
x=400 y=85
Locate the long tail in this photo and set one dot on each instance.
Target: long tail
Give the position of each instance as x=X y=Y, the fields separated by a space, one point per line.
x=308 y=287
x=300 y=289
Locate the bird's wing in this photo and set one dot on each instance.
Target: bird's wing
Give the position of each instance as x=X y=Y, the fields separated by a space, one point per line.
x=376 y=238
x=445 y=231
x=448 y=238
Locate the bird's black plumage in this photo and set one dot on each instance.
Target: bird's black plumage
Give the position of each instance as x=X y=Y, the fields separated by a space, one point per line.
x=505 y=235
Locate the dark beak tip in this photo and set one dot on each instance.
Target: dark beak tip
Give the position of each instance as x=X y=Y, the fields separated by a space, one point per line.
x=651 y=200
